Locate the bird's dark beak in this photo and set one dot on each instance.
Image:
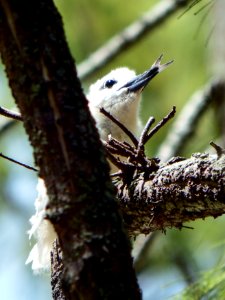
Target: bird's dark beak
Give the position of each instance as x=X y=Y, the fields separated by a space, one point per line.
x=141 y=81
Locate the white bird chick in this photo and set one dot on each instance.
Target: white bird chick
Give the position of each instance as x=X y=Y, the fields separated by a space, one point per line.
x=119 y=93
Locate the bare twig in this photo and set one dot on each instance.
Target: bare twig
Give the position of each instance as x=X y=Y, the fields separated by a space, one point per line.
x=144 y=133
x=114 y=160
x=219 y=150
x=10 y=114
x=192 y=4
x=18 y=163
x=14 y=116
x=210 y=4
x=120 y=125
x=119 y=148
x=136 y=158
x=129 y=36
x=160 y=124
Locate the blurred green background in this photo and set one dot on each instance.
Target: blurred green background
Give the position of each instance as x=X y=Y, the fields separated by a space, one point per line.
x=88 y=25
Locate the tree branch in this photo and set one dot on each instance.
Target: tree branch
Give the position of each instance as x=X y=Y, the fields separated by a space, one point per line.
x=129 y=36
x=181 y=130
x=10 y=114
x=17 y=162
x=176 y=193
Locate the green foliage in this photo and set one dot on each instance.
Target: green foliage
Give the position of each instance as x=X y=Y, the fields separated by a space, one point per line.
x=210 y=286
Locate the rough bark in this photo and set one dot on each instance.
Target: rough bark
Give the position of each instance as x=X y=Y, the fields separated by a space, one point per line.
x=68 y=152
x=57 y=272
x=178 y=192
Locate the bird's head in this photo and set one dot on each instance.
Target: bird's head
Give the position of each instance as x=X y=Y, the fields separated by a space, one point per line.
x=109 y=91
x=118 y=93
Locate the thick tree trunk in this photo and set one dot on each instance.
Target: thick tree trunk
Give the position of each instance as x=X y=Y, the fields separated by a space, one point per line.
x=67 y=151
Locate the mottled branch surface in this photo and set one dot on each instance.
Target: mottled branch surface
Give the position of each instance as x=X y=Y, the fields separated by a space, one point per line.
x=68 y=152
x=176 y=193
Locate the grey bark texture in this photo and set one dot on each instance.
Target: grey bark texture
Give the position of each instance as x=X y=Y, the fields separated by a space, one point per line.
x=179 y=191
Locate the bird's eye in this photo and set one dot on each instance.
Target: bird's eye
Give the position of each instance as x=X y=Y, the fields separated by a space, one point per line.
x=109 y=83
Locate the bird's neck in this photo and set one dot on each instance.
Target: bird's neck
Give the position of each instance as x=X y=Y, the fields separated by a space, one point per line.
x=128 y=115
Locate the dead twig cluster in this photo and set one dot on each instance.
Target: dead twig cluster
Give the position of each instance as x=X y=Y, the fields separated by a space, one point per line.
x=134 y=156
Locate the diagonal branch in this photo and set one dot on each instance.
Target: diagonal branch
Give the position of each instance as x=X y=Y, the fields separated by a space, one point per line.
x=18 y=163
x=129 y=36
x=120 y=125
x=14 y=115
